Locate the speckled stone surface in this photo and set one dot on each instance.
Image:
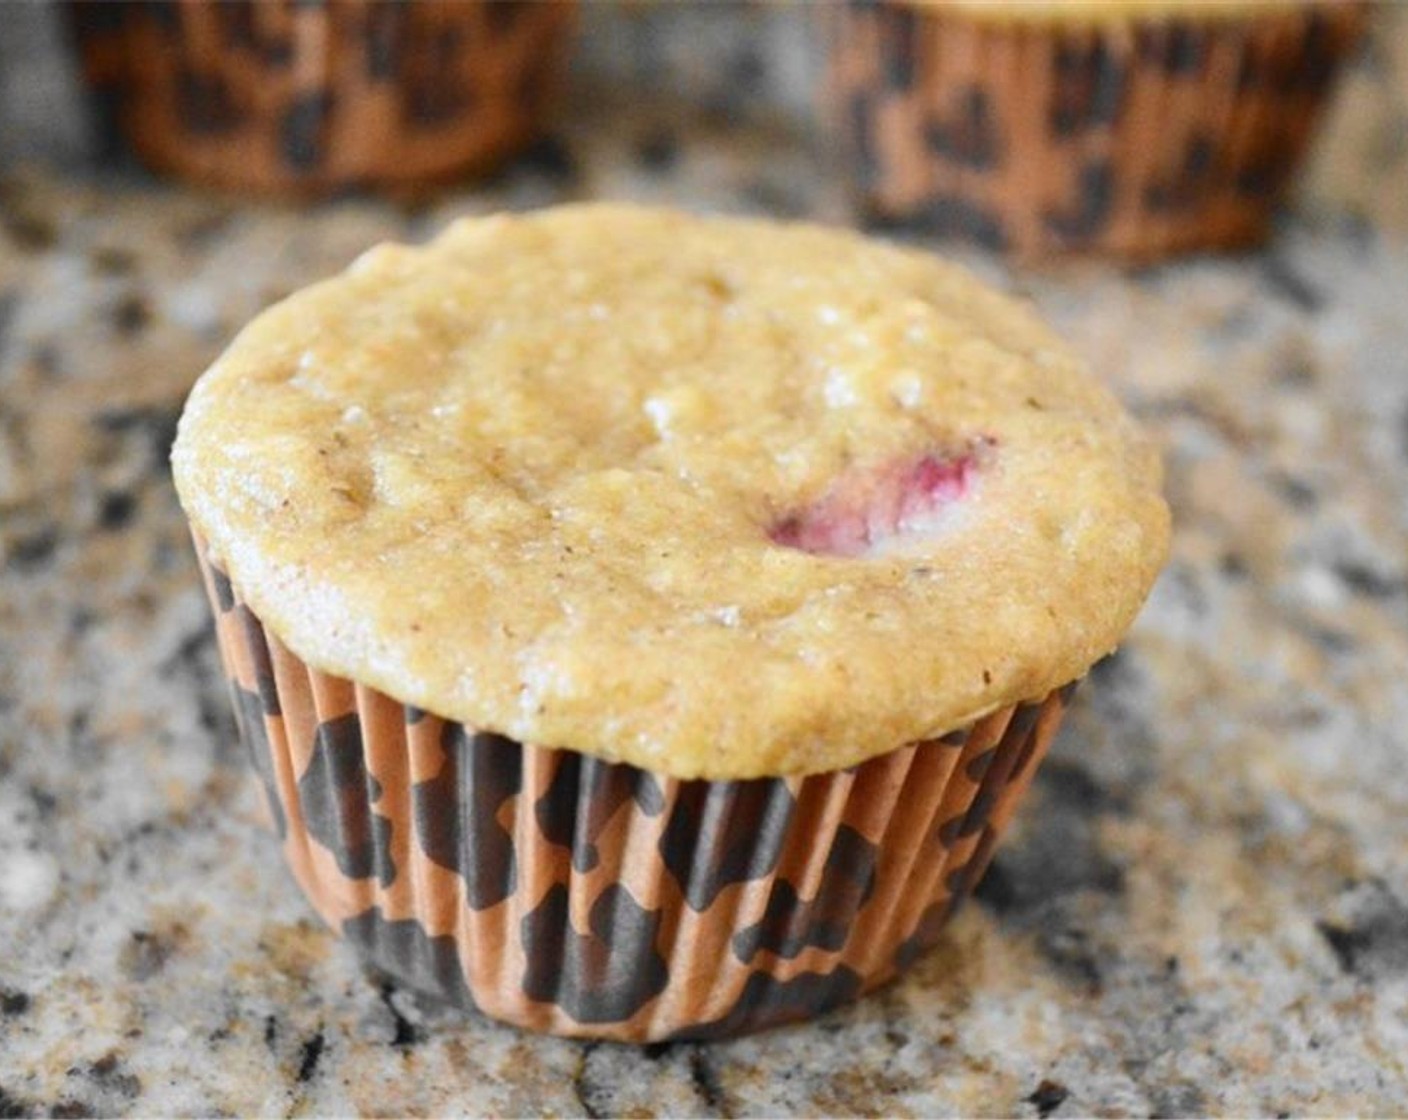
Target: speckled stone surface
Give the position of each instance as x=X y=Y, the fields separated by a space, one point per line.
x=1203 y=907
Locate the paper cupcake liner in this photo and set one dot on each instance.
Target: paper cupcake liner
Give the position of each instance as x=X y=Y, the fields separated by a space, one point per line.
x=561 y=893
x=1136 y=138
x=298 y=96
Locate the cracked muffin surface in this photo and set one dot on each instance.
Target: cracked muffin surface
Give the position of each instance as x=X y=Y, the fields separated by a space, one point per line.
x=717 y=497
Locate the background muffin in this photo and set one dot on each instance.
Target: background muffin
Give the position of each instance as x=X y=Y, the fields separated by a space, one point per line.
x=1136 y=128
x=285 y=96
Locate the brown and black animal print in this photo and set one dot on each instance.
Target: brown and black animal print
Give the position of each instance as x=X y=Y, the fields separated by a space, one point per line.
x=568 y=894
x=1136 y=138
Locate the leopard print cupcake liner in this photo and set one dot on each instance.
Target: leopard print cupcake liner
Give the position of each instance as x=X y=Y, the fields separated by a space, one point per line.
x=1134 y=139
x=562 y=893
x=291 y=96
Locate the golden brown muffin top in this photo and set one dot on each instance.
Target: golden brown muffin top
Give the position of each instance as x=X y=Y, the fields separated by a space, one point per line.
x=717 y=497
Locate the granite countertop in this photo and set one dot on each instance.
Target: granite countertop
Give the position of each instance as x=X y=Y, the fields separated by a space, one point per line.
x=1203 y=907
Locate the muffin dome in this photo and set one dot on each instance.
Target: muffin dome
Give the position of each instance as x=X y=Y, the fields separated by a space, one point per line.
x=717 y=497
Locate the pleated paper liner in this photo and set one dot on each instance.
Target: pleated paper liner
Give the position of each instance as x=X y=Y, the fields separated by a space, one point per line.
x=288 y=96
x=562 y=893
x=1135 y=138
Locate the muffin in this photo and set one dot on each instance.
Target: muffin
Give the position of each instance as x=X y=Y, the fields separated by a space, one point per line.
x=644 y=625
x=288 y=96
x=1136 y=128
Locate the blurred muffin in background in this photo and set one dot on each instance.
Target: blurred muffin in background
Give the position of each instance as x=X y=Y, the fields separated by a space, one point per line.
x=1135 y=128
x=292 y=96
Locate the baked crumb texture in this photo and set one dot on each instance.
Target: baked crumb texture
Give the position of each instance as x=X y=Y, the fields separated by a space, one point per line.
x=718 y=498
